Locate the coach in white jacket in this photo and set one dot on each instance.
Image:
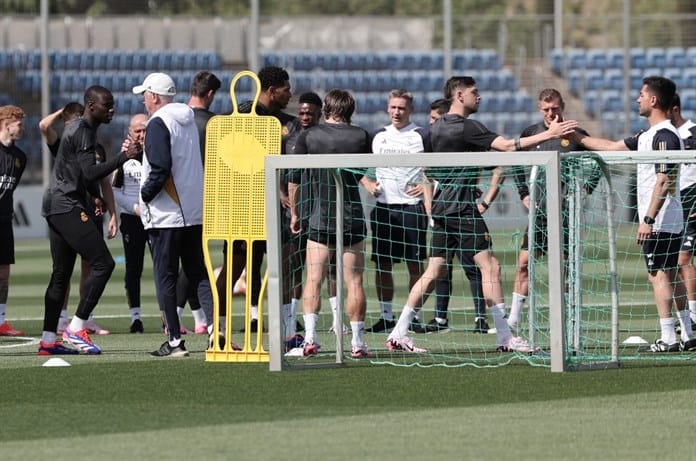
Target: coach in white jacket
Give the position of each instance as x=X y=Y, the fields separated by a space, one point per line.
x=171 y=202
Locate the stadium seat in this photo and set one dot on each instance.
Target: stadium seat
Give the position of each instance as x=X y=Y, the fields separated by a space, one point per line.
x=675 y=57
x=614 y=79
x=655 y=57
x=576 y=59
x=594 y=79
x=615 y=58
x=688 y=99
x=611 y=100
x=638 y=59
x=597 y=59
x=557 y=61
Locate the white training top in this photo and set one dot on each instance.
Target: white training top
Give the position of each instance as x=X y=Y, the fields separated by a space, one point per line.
x=395 y=182
x=669 y=218
x=687 y=175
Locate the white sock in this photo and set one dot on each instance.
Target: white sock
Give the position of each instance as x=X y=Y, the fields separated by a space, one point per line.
x=134 y=313
x=685 y=324
x=516 y=306
x=692 y=310
x=175 y=342
x=3 y=312
x=502 y=329
x=386 y=308
x=440 y=321
x=416 y=316
x=358 y=328
x=288 y=316
x=48 y=337
x=179 y=312
x=310 y=325
x=401 y=328
x=77 y=324
x=667 y=330
x=254 y=312
x=199 y=317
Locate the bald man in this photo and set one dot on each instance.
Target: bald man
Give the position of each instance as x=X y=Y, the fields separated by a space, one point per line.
x=126 y=186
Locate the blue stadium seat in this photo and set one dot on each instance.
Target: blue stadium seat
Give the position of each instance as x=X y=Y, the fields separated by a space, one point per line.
x=691 y=56
x=638 y=59
x=594 y=79
x=675 y=57
x=597 y=59
x=676 y=74
x=614 y=79
x=690 y=77
x=656 y=57
x=615 y=58
x=590 y=100
x=576 y=59
x=557 y=61
x=688 y=99
x=611 y=100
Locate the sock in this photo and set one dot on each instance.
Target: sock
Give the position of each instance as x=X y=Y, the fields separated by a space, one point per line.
x=333 y=302
x=440 y=321
x=175 y=342
x=401 y=329
x=386 y=308
x=179 y=311
x=358 y=328
x=685 y=324
x=48 y=337
x=254 y=312
x=667 y=329
x=502 y=329
x=288 y=316
x=199 y=317
x=77 y=324
x=63 y=316
x=692 y=310
x=310 y=324
x=516 y=306
x=134 y=313
x=3 y=311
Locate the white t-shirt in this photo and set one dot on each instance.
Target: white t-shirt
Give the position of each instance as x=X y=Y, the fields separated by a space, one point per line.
x=395 y=182
x=669 y=218
x=687 y=175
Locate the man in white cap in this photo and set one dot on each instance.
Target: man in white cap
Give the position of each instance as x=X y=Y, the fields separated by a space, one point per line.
x=171 y=202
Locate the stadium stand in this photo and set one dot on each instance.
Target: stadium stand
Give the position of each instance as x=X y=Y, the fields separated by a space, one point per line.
x=370 y=75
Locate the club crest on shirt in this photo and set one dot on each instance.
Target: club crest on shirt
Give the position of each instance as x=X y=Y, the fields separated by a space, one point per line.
x=18 y=163
x=83 y=216
x=286 y=131
x=565 y=142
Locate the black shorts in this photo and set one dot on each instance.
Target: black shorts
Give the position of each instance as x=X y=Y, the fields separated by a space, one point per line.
x=7 y=250
x=541 y=235
x=689 y=206
x=452 y=234
x=398 y=232
x=661 y=251
x=355 y=236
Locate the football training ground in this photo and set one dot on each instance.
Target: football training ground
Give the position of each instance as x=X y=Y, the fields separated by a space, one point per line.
x=126 y=405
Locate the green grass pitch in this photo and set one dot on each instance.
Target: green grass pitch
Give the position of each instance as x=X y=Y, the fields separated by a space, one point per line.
x=125 y=404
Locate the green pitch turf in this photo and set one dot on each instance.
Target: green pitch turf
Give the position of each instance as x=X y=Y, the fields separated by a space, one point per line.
x=125 y=404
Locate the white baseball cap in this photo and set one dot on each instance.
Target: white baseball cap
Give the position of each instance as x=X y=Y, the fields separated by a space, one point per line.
x=158 y=83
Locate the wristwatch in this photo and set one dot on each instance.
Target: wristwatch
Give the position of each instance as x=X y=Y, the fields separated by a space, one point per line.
x=648 y=220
